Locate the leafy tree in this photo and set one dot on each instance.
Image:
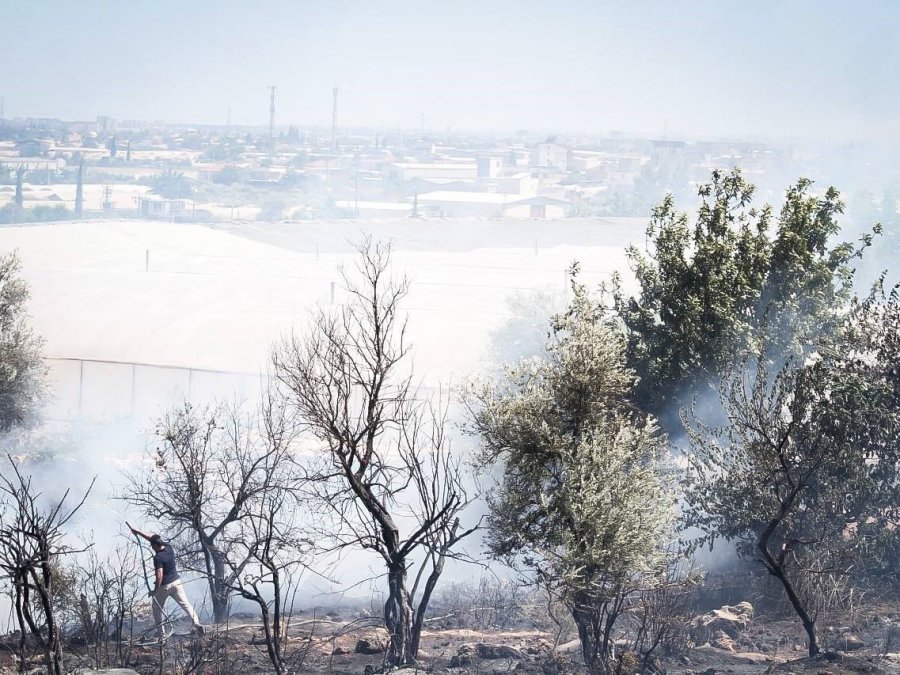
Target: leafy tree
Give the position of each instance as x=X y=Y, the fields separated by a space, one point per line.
x=229 y=175
x=113 y=146
x=172 y=185
x=804 y=474
x=79 y=191
x=22 y=370
x=582 y=503
x=10 y=213
x=20 y=197
x=724 y=284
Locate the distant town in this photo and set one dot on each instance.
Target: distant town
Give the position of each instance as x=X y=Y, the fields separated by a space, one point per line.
x=178 y=172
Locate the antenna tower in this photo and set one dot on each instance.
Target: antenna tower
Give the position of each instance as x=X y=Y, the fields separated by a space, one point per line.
x=334 y=93
x=272 y=89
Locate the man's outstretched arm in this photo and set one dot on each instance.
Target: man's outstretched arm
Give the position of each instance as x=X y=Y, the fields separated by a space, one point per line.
x=136 y=531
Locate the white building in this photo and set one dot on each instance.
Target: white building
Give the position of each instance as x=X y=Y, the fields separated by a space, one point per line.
x=490 y=205
x=402 y=171
x=489 y=166
x=552 y=156
x=157 y=207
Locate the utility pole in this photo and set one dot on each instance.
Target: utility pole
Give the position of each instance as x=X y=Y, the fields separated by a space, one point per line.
x=357 y=182
x=334 y=93
x=272 y=89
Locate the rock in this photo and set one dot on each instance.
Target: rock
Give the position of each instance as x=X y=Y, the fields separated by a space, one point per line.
x=721 y=640
x=338 y=651
x=851 y=642
x=487 y=651
x=539 y=646
x=570 y=646
x=465 y=656
x=364 y=646
x=731 y=620
x=460 y=661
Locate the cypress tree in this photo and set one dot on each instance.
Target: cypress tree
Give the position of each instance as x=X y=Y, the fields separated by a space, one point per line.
x=79 y=191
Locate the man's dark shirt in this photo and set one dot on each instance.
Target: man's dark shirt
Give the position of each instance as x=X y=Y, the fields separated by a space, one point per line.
x=165 y=560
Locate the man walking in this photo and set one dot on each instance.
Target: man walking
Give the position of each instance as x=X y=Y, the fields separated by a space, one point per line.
x=168 y=583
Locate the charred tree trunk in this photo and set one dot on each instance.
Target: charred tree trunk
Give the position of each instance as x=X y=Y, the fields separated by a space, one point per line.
x=398 y=616
x=272 y=647
x=51 y=644
x=219 y=588
x=423 y=604
x=776 y=569
x=595 y=617
x=277 y=649
x=215 y=577
x=87 y=620
x=587 y=621
x=775 y=566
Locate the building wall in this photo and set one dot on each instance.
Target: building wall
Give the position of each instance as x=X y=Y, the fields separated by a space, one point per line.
x=461 y=171
x=489 y=166
x=460 y=209
x=524 y=211
x=552 y=155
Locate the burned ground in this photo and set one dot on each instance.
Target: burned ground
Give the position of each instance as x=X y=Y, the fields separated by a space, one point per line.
x=864 y=641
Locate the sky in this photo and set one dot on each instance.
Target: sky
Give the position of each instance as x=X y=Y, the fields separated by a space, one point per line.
x=688 y=68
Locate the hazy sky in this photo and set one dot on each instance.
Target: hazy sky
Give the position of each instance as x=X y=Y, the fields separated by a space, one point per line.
x=815 y=68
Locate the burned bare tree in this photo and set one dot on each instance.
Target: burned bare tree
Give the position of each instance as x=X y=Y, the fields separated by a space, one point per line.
x=385 y=479
x=272 y=551
x=31 y=546
x=108 y=591
x=204 y=478
x=275 y=552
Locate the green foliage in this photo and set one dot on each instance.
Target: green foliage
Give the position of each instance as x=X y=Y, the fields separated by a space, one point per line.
x=22 y=369
x=172 y=184
x=582 y=502
x=10 y=214
x=724 y=285
x=225 y=150
x=20 y=197
x=79 y=191
x=804 y=473
x=229 y=175
x=273 y=209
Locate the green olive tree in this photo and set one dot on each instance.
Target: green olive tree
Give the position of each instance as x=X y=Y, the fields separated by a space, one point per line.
x=582 y=502
x=803 y=476
x=22 y=370
x=735 y=279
